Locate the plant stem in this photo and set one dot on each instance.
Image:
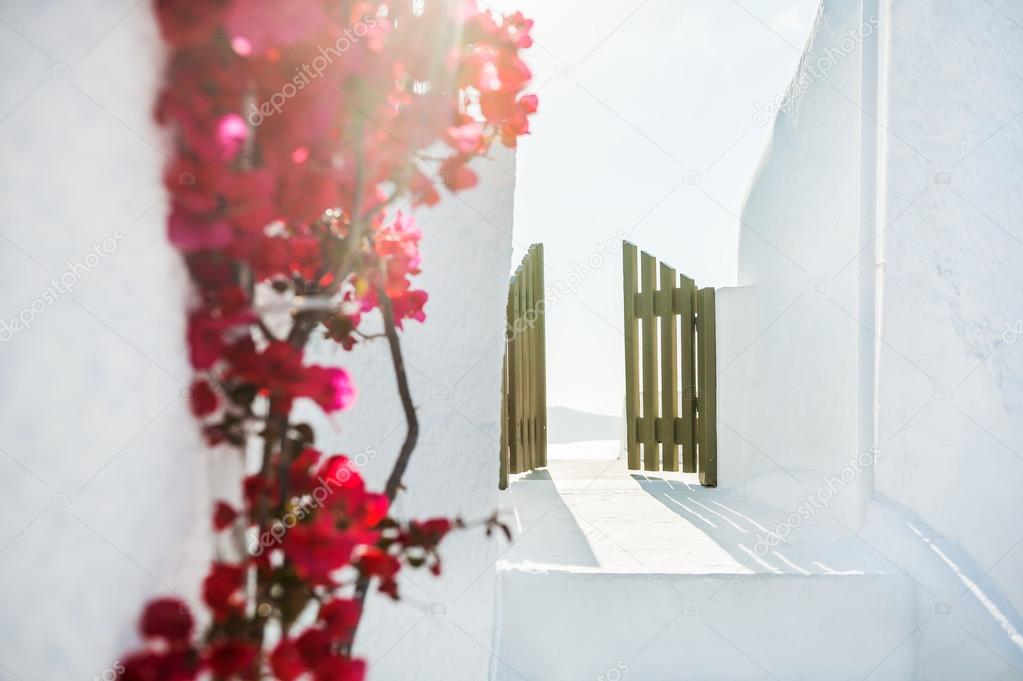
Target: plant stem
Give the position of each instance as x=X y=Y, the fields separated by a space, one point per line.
x=411 y=432
x=411 y=419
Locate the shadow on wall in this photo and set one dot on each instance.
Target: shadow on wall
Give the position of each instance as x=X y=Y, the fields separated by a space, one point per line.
x=565 y=425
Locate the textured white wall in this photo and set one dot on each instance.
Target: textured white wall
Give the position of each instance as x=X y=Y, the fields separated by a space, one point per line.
x=105 y=481
x=444 y=631
x=951 y=388
x=788 y=338
x=889 y=315
x=103 y=477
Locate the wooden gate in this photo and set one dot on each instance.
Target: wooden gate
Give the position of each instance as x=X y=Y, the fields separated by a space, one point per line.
x=524 y=381
x=670 y=405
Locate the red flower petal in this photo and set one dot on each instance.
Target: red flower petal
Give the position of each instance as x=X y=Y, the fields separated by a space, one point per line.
x=340 y=616
x=223 y=516
x=167 y=619
x=204 y=400
x=232 y=658
x=286 y=661
x=222 y=589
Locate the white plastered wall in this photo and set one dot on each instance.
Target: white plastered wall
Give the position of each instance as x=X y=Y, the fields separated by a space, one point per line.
x=887 y=316
x=105 y=480
x=788 y=341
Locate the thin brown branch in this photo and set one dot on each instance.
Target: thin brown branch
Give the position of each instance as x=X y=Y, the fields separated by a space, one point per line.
x=411 y=420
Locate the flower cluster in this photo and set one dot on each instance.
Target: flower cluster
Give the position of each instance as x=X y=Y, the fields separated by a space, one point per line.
x=302 y=129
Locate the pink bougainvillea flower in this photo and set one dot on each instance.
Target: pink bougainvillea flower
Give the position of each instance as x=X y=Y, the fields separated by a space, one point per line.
x=340 y=616
x=272 y=177
x=466 y=138
x=517 y=28
x=232 y=659
x=232 y=132
x=222 y=589
x=409 y=305
x=312 y=656
x=458 y=177
x=209 y=336
x=338 y=472
x=315 y=646
x=286 y=661
x=348 y=497
x=329 y=387
x=191 y=232
x=427 y=533
x=167 y=619
x=337 y=668
x=278 y=370
x=161 y=666
x=397 y=245
x=301 y=480
x=517 y=124
x=318 y=548
x=186 y=22
x=203 y=399
x=266 y=24
x=422 y=189
x=375 y=562
x=224 y=516
x=272 y=257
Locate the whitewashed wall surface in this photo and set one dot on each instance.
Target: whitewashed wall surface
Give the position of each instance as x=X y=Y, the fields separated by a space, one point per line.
x=880 y=312
x=106 y=484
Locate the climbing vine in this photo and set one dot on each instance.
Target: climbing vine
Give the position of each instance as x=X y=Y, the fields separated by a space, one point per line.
x=303 y=134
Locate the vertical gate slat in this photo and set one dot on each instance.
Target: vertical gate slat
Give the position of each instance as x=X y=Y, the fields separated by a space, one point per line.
x=630 y=288
x=513 y=375
x=648 y=272
x=527 y=384
x=707 y=395
x=534 y=440
x=527 y=445
x=688 y=334
x=514 y=449
x=669 y=369
x=527 y=372
x=541 y=354
x=520 y=393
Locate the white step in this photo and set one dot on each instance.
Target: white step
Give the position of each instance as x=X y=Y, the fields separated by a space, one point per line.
x=563 y=624
x=652 y=578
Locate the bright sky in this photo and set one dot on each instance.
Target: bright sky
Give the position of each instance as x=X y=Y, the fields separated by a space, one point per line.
x=646 y=127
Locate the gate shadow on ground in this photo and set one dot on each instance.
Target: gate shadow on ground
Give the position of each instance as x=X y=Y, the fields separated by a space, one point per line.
x=744 y=529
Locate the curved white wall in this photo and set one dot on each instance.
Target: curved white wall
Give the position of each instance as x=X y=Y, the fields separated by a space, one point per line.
x=881 y=308
x=788 y=336
x=951 y=389
x=104 y=479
